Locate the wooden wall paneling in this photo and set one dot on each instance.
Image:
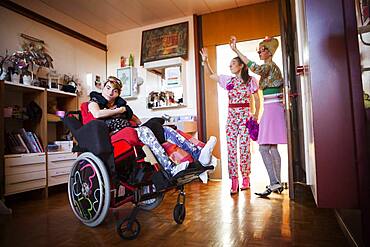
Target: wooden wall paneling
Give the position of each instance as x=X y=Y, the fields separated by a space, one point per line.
x=211 y=105
x=247 y=23
x=43 y=127
x=199 y=72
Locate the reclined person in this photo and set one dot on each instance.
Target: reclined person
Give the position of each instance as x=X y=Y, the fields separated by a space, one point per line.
x=114 y=111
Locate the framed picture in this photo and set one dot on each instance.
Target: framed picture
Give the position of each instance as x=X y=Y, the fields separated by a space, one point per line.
x=126 y=77
x=164 y=42
x=365 y=16
x=172 y=76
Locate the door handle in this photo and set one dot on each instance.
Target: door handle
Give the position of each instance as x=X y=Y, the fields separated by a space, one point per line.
x=301 y=70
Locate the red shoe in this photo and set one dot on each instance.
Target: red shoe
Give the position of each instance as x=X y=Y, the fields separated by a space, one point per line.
x=234 y=186
x=246 y=184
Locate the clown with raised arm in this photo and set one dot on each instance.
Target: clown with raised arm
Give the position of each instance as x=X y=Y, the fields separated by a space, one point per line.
x=272 y=125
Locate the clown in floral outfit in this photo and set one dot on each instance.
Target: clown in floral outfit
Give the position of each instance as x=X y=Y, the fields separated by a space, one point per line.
x=241 y=87
x=273 y=129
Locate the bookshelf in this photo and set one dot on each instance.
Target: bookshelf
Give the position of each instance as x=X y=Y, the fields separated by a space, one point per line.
x=28 y=171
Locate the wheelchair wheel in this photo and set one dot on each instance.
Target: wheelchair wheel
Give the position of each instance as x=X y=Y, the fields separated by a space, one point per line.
x=179 y=213
x=128 y=229
x=151 y=203
x=89 y=190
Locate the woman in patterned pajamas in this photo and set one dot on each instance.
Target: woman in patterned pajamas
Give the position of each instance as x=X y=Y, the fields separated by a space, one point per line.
x=240 y=88
x=272 y=125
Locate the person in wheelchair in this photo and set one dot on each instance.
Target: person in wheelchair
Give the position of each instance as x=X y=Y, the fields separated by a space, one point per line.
x=115 y=112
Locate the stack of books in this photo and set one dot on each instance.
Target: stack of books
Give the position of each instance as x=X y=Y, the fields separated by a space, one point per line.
x=22 y=141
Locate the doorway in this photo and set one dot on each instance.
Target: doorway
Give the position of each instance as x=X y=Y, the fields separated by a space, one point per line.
x=259 y=177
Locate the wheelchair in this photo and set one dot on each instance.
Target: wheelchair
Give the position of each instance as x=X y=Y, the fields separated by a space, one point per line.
x=113 y=170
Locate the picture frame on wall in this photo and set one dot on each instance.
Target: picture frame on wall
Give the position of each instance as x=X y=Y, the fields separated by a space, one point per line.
x=165 y=42
x=172 y=76
x=126 y=76
x=365 y=11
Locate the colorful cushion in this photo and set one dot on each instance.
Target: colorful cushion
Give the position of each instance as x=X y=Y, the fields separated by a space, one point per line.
x=191 y=139
x=176 y=154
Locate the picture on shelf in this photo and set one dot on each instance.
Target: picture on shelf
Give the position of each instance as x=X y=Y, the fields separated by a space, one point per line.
x=125 y=75
x=98 y=83
x=172 y=76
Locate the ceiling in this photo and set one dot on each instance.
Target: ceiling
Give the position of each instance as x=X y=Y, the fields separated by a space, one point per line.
x=111 y=16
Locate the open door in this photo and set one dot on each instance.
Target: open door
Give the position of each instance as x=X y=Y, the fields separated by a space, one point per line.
x=293 y=105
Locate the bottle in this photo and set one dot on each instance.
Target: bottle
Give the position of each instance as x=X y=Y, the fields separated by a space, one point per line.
x=123 y=64
x=131 y=60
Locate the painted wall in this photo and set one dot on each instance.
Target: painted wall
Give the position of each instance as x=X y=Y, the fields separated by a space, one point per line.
x=70 y=55
x=129 y=42
x=45 y=10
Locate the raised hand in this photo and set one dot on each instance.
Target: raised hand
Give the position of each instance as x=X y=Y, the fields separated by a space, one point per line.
x=233 y=43
x=204 y=53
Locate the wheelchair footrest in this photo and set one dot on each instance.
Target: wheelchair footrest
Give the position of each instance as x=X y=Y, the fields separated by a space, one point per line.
x=194 y=168
x=186 y=176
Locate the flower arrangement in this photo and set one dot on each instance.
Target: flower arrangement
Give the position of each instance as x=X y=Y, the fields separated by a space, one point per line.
x=33 y=55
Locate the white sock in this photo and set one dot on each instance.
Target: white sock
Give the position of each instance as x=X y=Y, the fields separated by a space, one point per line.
x=180 y=167
x=204 y=177
x=206 y=153
x=275 y=186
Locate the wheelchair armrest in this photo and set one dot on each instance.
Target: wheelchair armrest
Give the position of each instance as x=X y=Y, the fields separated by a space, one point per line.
x=74 y=113
x=93 y=136
x=78 y=149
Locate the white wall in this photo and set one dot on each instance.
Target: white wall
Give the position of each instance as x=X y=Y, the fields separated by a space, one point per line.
x=70 y=55
x=45 y=10
x=126 y=42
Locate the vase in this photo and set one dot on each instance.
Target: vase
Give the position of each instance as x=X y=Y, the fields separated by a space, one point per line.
x=15 y=78
x=27 y=79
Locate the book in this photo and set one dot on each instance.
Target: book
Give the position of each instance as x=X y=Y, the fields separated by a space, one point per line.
x=12 y=140
x=26 y=140
x=32 y=140
x=22 y=142
x=13 y=144
x=38 y=142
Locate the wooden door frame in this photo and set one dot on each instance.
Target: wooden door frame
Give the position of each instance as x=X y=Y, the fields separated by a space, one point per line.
x=291 y=105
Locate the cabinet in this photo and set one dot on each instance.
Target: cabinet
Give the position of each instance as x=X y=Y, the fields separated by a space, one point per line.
x=59 y=165
x=29 y=171
x=24 y=172
x=171 y=91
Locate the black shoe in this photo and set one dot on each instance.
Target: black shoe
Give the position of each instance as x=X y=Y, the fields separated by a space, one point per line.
x=278 y=188
x=266 y=193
